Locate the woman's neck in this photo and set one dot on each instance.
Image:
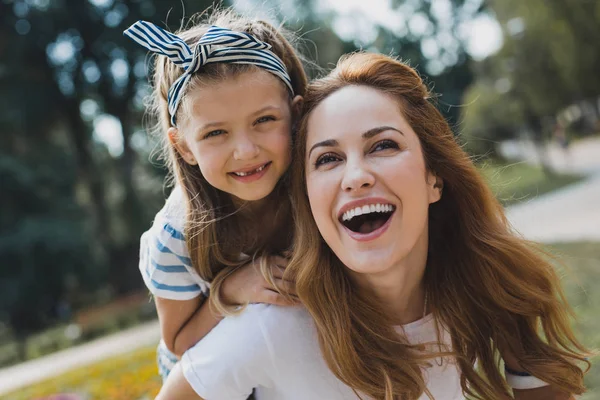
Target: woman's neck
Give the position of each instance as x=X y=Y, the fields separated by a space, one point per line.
x=401 y=288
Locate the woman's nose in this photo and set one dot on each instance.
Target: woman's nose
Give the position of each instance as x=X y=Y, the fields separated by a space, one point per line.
x=357 y=176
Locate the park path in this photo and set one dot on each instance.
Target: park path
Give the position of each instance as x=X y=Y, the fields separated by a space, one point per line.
x=568 y=214
x=30 y=372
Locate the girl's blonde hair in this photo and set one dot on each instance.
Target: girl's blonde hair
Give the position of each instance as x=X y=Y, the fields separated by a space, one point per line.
x=490 y=289
x=212 y=231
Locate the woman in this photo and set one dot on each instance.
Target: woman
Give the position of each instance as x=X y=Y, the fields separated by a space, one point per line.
x=393 y=222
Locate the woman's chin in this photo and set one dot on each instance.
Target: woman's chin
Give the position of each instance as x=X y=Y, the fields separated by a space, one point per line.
x=366 y=262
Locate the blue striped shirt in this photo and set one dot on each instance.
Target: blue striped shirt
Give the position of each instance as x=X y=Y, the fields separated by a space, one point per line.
x=165 y=264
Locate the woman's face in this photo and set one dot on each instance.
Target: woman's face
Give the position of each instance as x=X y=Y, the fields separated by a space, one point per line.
x=368 y=187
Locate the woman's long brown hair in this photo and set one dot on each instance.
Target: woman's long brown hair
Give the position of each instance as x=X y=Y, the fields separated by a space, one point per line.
x=490 y=289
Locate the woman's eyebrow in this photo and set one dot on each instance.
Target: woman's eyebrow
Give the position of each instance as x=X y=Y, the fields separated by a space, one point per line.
x=366 y=135
x=324 y=143
x=376 y=131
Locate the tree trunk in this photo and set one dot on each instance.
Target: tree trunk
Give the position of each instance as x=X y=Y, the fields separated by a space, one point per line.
x=88 y=172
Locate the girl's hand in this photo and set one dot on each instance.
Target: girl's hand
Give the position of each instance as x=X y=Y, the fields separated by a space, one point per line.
x=248 y=285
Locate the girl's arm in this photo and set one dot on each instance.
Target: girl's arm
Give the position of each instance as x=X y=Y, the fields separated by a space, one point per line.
x=185 y=323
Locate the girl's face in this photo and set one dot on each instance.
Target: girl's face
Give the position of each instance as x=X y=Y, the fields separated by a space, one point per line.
x=238 y=132
x=367 y=183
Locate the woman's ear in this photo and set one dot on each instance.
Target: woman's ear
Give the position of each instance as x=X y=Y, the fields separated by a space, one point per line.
x=435 y=186
x=181 y=146
x=297 y=103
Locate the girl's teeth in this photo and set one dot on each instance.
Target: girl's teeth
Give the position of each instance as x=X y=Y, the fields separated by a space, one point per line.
x=250 y=172
x=348 y=215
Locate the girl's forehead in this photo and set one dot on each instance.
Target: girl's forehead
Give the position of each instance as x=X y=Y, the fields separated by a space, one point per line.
x=240 y=94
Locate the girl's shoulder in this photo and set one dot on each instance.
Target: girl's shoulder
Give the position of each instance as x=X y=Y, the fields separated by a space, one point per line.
x=165 y=263
x=175 y=209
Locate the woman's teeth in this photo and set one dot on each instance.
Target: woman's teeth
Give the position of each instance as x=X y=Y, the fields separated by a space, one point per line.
x=251 y=172
x=367 y=209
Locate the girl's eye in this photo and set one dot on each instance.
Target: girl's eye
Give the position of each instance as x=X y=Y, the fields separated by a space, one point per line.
x=266 y=118
x=385 y=144
x=216 y=132
x=326 y=159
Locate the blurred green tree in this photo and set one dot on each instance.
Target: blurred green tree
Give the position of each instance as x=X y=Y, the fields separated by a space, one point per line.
x=549 y=61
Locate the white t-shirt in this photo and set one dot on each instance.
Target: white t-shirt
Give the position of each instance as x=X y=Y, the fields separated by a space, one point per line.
x=275 y=351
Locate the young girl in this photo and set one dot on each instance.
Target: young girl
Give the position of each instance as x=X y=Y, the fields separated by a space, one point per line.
x=225 y=94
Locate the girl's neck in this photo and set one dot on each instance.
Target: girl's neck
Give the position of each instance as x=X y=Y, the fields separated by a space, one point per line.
x=263 y=223
x=252 y=209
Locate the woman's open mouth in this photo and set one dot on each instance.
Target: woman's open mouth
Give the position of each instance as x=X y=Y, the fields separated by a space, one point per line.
x=367 y=219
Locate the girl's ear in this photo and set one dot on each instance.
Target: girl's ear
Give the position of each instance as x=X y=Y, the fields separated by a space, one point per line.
x=181 y=146
x=297 y=103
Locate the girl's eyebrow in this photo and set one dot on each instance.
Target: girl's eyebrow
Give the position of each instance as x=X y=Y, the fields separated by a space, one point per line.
x=267 y=108
x=209 y=125
x=366 y=135
x=216 y=124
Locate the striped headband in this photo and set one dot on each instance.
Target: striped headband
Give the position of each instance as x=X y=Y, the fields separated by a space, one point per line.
x=235 y=47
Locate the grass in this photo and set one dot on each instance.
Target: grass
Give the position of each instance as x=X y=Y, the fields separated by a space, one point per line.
x=581 y=280
x=519 y=181
x=134 y=376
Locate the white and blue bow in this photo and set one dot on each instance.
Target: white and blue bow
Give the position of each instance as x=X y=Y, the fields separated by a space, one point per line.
x=234 y=47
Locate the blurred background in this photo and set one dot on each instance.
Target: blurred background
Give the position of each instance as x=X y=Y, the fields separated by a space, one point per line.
x=519 y=82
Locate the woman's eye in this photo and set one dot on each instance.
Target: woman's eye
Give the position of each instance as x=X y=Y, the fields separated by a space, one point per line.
x=266 y=118
x=216 y=132
x=385 y=144
x=326 y=159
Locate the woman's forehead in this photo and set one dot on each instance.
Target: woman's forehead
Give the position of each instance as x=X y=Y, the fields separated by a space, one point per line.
x=353 y=110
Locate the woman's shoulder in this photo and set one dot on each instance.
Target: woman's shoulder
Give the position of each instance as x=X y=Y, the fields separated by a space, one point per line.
x=264 y=328
x=272 y=322
x=254 y=348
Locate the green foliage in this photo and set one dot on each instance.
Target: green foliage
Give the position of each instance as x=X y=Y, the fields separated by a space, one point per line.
x=489 y=117
x=550 y=60
x=43 y=242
